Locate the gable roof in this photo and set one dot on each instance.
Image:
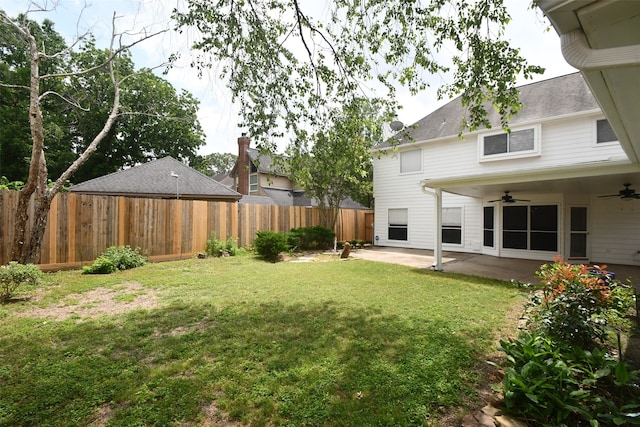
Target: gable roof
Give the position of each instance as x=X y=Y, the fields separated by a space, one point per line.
x=158 y=179
x=554 y=97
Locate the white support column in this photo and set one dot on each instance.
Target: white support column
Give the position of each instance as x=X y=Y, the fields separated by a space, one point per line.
x=437 y=248
x=437 y=244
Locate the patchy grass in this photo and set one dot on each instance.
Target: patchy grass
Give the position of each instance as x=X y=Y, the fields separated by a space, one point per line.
x=237 y=341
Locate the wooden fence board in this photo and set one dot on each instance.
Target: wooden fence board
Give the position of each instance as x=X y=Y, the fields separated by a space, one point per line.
x=81 y=227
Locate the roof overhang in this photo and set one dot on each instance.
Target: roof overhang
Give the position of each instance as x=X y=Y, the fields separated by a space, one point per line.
x=601 y=38
x=591 y=178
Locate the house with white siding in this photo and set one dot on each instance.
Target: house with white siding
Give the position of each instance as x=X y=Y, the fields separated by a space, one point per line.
x=558 y=183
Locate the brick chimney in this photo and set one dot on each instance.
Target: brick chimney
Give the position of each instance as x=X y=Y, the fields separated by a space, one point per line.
x=244 y=168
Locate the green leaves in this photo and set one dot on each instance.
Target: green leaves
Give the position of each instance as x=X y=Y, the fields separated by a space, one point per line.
x=289 y=65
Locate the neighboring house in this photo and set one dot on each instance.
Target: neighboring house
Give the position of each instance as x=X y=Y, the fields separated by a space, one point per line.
x=262 y=181
x=561 y=157
x=165 y=178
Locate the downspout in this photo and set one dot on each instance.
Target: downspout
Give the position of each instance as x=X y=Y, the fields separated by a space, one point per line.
x=437 y=247
x=580 y=55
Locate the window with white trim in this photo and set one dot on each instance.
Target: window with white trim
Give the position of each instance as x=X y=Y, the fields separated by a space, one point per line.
x=398 y=224
x=530 y=227
x=411 y=161
x=604 y=132
x=452 y=225
x=517 y=143
x=253 y=182
x=488 y=225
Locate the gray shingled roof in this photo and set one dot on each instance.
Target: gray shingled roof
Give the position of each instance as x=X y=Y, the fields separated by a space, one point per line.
x=264 y=162
x=554 y=97
x=153 y=179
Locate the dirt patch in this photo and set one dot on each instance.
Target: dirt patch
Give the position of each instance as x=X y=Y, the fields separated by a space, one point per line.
x=99 y=302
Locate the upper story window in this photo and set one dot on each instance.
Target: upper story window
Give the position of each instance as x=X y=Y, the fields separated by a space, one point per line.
x=411 y=161
x=253 y=182
x=518 y=143
x=604 y=132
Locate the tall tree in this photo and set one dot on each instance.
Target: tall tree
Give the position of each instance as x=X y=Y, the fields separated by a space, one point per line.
x=289 y=69
x=154 y=120
x=334 y=163
x=40 y=89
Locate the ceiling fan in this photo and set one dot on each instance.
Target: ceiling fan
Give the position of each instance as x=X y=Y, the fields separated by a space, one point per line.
x=625 y=194
x=507 y=198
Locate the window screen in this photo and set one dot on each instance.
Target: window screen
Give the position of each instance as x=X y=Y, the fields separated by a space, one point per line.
x=398 y=224
x=452 y=225
x=605 y=132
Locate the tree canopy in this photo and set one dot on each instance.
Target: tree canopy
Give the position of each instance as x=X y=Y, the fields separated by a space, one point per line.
x=291 y=63
x=73 y=98
x=154 y=120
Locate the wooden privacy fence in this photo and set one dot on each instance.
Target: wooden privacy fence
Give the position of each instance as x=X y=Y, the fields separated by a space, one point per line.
x=80 y=227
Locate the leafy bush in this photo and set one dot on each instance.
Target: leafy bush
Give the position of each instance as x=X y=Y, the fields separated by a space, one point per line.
x=218 y=248
x=215 y=247
x=14 y=274
x=557 y=384
x=311 y=238
x=559 y=371
x=231 y=246
x=270 y=244
x=576 y=303
x=116 y=258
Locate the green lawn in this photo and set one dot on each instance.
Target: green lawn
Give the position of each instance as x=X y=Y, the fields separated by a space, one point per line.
x=209 y=342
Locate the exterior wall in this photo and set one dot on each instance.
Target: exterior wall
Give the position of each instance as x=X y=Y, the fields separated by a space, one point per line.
x=394 y=190
x=563 y=142
x=615 y=231
x=273 y=181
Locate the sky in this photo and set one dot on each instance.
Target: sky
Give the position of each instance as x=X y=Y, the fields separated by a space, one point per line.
x=528 y=31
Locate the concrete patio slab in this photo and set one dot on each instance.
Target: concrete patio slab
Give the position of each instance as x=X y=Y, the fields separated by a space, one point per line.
x=523 y=270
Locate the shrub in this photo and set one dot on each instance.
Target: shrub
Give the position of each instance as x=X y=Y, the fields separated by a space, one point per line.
x=557 y=384
x=14 y=274
x=576 y=302
x=116 y=258
x=310 y=238
x=270 y=244
x=218 y=248
x=231 y=246
x=215 y=247
x=559 y=371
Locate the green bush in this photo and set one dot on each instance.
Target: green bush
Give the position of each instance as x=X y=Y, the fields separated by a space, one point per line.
x=116 y=258
x=311 y=238
x=577 y=303
x=14 y=274
x=557 y=384
x=560 y=371
x=218 y=248
x=215 y=247
x=231 y=247
x=270 y=244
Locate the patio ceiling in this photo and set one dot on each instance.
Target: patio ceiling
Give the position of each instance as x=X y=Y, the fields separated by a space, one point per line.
x=591 y=179
x=601 y=38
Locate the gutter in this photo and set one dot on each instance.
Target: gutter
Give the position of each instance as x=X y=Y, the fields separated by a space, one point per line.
x=580 y=55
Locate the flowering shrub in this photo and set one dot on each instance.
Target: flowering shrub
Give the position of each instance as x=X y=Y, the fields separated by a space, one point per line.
x=560 y=371
x=575 y=303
